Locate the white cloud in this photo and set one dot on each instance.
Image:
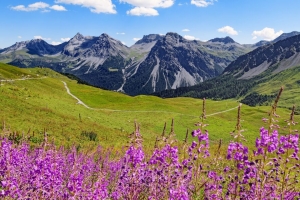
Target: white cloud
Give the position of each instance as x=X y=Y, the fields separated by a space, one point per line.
x=38 y=6
x=136 y=39
x=95 y=6
x=186 y=30
x=58 y=8
x=19 y=37
x=146 y=7
x=150 y=3
x=228 y=29
x=55 y=43
x=41 y=38
x=65 y=39
x=202 y=3
x=120 y=33
x=31 y=7
x=139 y=11
x=189 y=37
x=266 y=34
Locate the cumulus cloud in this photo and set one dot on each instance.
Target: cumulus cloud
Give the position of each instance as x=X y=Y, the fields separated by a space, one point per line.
x=19 y=37
x=58 y=8
x=65 y=39
x=38 y=6
x=31 y=7
x=146 y=7
x=228 y=29
x=41 y=38
x=120 y=33
x=186 y=30
x=95 y=6
x=139 y=11
x=189 y=37
x=150 y=4
x=266 y=34
x=202 y=3
x=136 y=39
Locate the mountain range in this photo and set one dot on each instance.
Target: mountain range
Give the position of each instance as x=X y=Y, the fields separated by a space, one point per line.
x=153 y=64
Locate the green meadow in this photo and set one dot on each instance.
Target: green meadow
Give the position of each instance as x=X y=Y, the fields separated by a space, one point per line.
x=41 y=102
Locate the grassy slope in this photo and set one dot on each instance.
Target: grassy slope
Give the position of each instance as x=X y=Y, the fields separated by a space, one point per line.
x=289 y=79
x=44 y=103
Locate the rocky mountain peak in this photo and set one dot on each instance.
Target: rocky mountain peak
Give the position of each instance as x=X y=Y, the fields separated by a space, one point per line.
x=173 y=35
x=78 y=36
x=226 y=40
x=37 y=42
x=174 y=38
x=104 y=35
x=149 y=38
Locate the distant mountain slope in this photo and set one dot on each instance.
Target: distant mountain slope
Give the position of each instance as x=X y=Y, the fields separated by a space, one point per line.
x=154 y=63
x=286 y=35
x=282 y=55
x=35 y=47
x=254 y=77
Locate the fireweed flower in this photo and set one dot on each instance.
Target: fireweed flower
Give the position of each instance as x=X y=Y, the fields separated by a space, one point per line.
x=203 y=140
x=239 y=153
x=213 y=187
x=270 y=142
x=289 y=142
x=135 y=155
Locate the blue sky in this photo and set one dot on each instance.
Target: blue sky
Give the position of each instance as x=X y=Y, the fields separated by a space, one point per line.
x=246 y=21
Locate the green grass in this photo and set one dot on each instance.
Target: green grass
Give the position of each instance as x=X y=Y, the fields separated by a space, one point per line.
x=289 y=79
x=44 y=104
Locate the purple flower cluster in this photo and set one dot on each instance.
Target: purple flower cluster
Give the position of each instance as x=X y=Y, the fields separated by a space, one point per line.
x=50 y=174
x=266 y=141
x=167 y=173
x=289 y=142
x=239 y=153
x=203 y=141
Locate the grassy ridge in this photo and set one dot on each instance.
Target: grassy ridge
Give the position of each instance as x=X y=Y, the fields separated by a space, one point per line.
x=36 y=104
x=289 y=79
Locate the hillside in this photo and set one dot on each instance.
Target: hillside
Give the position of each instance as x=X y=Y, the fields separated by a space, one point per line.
x=32 y=105
x=283 y=55
x=259 y=90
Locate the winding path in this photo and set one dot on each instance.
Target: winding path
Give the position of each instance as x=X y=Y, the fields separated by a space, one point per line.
x=135 y=111
x=20 y=79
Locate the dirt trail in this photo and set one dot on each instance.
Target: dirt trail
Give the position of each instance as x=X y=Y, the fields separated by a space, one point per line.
x=136 y=111
x=20 y=79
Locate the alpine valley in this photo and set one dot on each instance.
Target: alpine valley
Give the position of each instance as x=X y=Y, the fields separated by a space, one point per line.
x=161 y=63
